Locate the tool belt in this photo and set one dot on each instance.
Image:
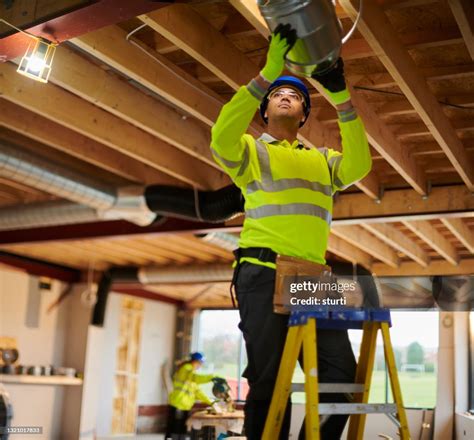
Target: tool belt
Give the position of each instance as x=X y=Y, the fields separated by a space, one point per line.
x=288 y=269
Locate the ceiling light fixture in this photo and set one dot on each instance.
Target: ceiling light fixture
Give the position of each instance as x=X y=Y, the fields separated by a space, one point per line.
x=38 y=59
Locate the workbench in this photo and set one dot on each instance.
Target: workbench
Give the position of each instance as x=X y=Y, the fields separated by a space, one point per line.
x=224 y=422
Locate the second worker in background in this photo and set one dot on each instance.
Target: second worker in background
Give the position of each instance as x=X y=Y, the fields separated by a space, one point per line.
x=288 y=191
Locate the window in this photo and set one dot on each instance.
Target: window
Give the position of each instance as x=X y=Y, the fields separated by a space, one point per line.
x=221 y=341
x=414 y=338
x=415 y=352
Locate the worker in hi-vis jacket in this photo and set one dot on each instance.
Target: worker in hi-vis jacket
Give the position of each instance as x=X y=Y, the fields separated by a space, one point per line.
x=185 y=392
x=288 y=191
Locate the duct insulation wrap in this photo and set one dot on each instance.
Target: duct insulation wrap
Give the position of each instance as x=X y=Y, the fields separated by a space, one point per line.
x=36 y=215
x=183 y=275
x=210 y=206
x=31 y=170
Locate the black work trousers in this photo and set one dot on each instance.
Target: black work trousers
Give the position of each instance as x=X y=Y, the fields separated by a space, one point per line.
x=176 y=424
x=265 y=333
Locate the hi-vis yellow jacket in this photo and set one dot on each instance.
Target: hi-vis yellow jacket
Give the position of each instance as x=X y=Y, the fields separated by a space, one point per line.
x=287 y=189
x=186 y=388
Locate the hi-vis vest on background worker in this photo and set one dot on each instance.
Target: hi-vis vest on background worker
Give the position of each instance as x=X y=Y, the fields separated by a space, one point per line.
x=186 y=387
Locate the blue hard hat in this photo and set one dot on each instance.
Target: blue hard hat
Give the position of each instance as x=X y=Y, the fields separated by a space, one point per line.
x=197 y=356
x=290 y=81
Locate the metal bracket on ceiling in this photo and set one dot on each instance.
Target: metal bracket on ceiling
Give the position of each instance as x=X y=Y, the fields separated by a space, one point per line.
x=428 y=190
x=381 y=194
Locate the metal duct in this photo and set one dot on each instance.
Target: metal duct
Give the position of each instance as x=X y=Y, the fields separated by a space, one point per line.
x=28 y=169
x=222 y=239
x=96 y=201
x=46 y=214
x=133 y=203
x=188 y=274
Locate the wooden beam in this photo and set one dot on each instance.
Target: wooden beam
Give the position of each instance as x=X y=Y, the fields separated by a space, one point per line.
x=415 y=129
x=398 y=205
x=403 y=107
x=71 y=22
x=361 y=239
x=427 y=232
x=399 y=241
x=79 y=146
x=436 y=267
x=378 y=31
x=463 y=11
x=143 y=292
x=357 y=48
x=110 y=93
x=431 y=74
x=387 y=145
x=343 y=249
x=153 y=71
x=350 y=209
x=29 y=13
x=40 y=268
x=461 y=231
x=402 y=4
x=91 y=121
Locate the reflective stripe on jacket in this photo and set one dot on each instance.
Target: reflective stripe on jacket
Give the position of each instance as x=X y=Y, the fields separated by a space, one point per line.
x=186 y=388
x=288 y=189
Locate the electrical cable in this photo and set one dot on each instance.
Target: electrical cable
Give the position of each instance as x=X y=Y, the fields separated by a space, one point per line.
x=387 y=92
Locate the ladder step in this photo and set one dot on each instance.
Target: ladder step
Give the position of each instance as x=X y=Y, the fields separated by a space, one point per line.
x=357 y=408
x=331 y=388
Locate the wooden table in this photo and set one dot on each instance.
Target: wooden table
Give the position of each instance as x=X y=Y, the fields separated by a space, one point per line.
x=228 y=421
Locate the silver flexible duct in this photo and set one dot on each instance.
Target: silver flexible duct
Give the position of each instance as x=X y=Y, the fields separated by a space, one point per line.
x=31 y=170
x=46 y=214
x=222 y=239
x=95 y=201
x=188 y=274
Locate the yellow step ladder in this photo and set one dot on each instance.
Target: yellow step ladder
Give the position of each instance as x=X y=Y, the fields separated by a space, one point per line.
x=302 y=333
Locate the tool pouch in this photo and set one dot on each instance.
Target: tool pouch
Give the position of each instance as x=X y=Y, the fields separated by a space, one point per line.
x=288 y=270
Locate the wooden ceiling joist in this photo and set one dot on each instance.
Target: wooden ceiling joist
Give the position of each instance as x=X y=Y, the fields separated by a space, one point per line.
x=89 y=120
x=428 y=233
x=347 y=251
x=436 y=267
x=463 y=11
x=153 y=71
x=388 y=146
x=398 y=241
x=365 y=241
x=407 y=131
x=357 y=48
x=402 y=107
x=431 y=74
x=400 y=205
x=461 y=231
x=79 y=146
x=379 y=33
x=110 y=93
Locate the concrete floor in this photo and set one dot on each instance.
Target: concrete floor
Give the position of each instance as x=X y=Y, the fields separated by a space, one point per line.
x=134 y=437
